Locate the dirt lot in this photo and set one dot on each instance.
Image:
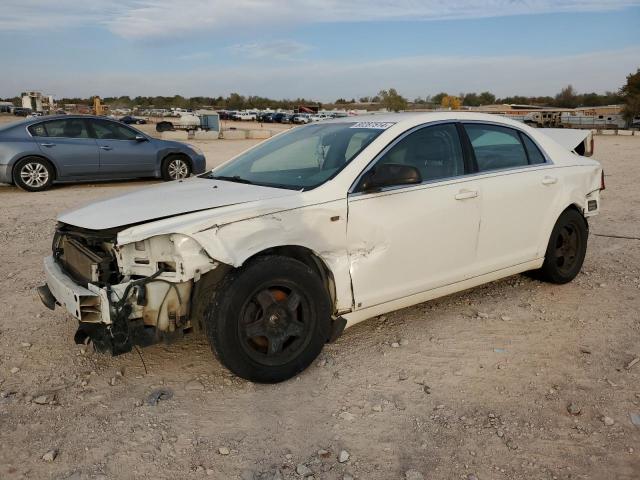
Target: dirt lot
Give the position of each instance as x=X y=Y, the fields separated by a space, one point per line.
x=476 y=385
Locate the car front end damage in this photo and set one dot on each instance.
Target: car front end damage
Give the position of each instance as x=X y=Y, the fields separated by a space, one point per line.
x=124 y=295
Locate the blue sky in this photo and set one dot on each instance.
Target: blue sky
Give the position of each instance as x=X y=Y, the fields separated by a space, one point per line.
x=321 y=49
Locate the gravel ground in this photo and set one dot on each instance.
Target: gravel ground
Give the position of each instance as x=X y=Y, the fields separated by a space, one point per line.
x=513 y=380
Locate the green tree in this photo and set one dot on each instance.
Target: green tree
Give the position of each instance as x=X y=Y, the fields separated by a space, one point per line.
x=235 y=101
x=437 y=98
x=487 y=98
x=567 y=98
x=630 y=93
x=392 y=100
x=471 y=100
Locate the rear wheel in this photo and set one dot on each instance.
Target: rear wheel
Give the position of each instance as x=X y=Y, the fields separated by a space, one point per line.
x=176 y=167
x=566 y=249
x=33 y=174
x=269 y=320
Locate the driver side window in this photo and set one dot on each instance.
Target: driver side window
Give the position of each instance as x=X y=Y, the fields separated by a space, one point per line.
x=106 y=130
x=435 y=151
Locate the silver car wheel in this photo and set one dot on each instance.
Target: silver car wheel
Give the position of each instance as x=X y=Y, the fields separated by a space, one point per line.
x=34 y=174
x=178 y=169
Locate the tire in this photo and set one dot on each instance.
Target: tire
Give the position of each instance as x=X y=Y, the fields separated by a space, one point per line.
x=164 y=126
x=176 y=167
x=33 y=174
x=566 y=249
x=267 y=321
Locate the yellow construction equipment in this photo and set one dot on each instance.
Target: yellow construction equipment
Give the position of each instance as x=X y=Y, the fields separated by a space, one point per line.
x=98 y=108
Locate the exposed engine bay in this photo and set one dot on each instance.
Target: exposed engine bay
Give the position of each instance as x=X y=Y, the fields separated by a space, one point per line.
x=148 y=286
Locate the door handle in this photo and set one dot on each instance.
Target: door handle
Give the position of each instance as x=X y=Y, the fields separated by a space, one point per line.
x=47 y=144
x=547 y=180
x=465 y=194
x=106 y=147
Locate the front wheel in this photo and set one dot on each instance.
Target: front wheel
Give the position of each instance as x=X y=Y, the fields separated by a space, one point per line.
x=269 y=320
x=176 y=167
x=566 y=249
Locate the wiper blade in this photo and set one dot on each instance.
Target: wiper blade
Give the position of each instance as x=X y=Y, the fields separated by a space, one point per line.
x=234 y=178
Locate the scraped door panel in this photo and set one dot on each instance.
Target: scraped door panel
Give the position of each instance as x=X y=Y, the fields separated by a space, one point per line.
x=411 y=240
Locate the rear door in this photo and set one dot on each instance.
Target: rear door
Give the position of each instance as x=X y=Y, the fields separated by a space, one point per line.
x=123 y=153
x=518 y=188
x=68 y=143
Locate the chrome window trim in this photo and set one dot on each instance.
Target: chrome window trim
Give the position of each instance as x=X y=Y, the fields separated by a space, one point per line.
x=448 y=181
x=499 y=171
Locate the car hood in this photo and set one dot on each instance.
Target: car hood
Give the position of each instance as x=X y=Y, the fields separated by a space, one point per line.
x=167 y=200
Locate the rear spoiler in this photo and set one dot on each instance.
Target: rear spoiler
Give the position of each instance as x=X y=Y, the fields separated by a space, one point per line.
x=574 y=140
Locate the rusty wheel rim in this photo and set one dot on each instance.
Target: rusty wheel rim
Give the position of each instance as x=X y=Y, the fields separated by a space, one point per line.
x=275 y=324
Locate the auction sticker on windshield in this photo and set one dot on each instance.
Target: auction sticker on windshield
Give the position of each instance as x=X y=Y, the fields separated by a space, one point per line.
x=376 y=125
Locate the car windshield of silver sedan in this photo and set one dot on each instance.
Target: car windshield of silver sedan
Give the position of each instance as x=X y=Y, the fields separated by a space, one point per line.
x=301 y=159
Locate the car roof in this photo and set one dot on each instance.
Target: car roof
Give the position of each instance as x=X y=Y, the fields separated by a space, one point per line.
x=409 y=119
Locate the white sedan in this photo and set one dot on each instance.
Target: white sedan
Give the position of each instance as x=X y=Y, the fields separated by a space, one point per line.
x=275 y=252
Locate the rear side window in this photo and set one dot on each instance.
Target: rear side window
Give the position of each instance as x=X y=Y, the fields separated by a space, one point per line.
x=106 y=130
x=38 y=130
x=496 y=147
x=67 y=128
x=535 y=155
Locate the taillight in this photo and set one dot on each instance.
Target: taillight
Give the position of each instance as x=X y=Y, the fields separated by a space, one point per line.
x=592 y=147
x=602 y=180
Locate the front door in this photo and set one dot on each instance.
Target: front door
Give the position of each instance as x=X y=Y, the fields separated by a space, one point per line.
x=409 y=239
x=124 y=153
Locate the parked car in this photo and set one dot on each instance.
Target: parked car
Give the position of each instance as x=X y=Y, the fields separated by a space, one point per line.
x=262 y=116
x=244 y=116
x=302 y=118
x=276 y=251
x=130 y=120
x=36 y=153
x=276 y=117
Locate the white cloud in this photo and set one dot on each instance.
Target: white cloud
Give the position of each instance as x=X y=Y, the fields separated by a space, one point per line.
x=326 y=81
x=141 y=19
x=274 y=49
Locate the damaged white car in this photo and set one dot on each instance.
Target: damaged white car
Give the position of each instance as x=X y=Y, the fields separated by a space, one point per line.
x=275 y=252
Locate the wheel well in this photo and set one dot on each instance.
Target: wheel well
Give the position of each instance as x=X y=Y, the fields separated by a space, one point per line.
x=309 y=258
x=177 y=154
x=46 y=160
x=577 y=208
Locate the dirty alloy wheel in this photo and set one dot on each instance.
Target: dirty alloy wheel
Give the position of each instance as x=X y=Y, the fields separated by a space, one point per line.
x=176 y=167
x=33 y=174
x=269 y=320
x=566 y=249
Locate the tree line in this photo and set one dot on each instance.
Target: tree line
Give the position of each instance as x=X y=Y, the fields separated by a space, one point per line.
x=568 y=97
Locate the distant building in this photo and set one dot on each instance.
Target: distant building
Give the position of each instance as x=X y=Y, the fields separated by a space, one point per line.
x=37 y=102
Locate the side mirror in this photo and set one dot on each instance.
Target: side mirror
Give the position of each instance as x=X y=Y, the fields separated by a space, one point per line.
x=389 y=175
x=140 y=138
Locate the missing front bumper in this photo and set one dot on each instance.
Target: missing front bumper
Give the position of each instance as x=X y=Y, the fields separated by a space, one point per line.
x=162 y=317
x=83 y=303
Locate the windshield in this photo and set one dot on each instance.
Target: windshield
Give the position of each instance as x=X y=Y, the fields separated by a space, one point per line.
x=300 y=159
